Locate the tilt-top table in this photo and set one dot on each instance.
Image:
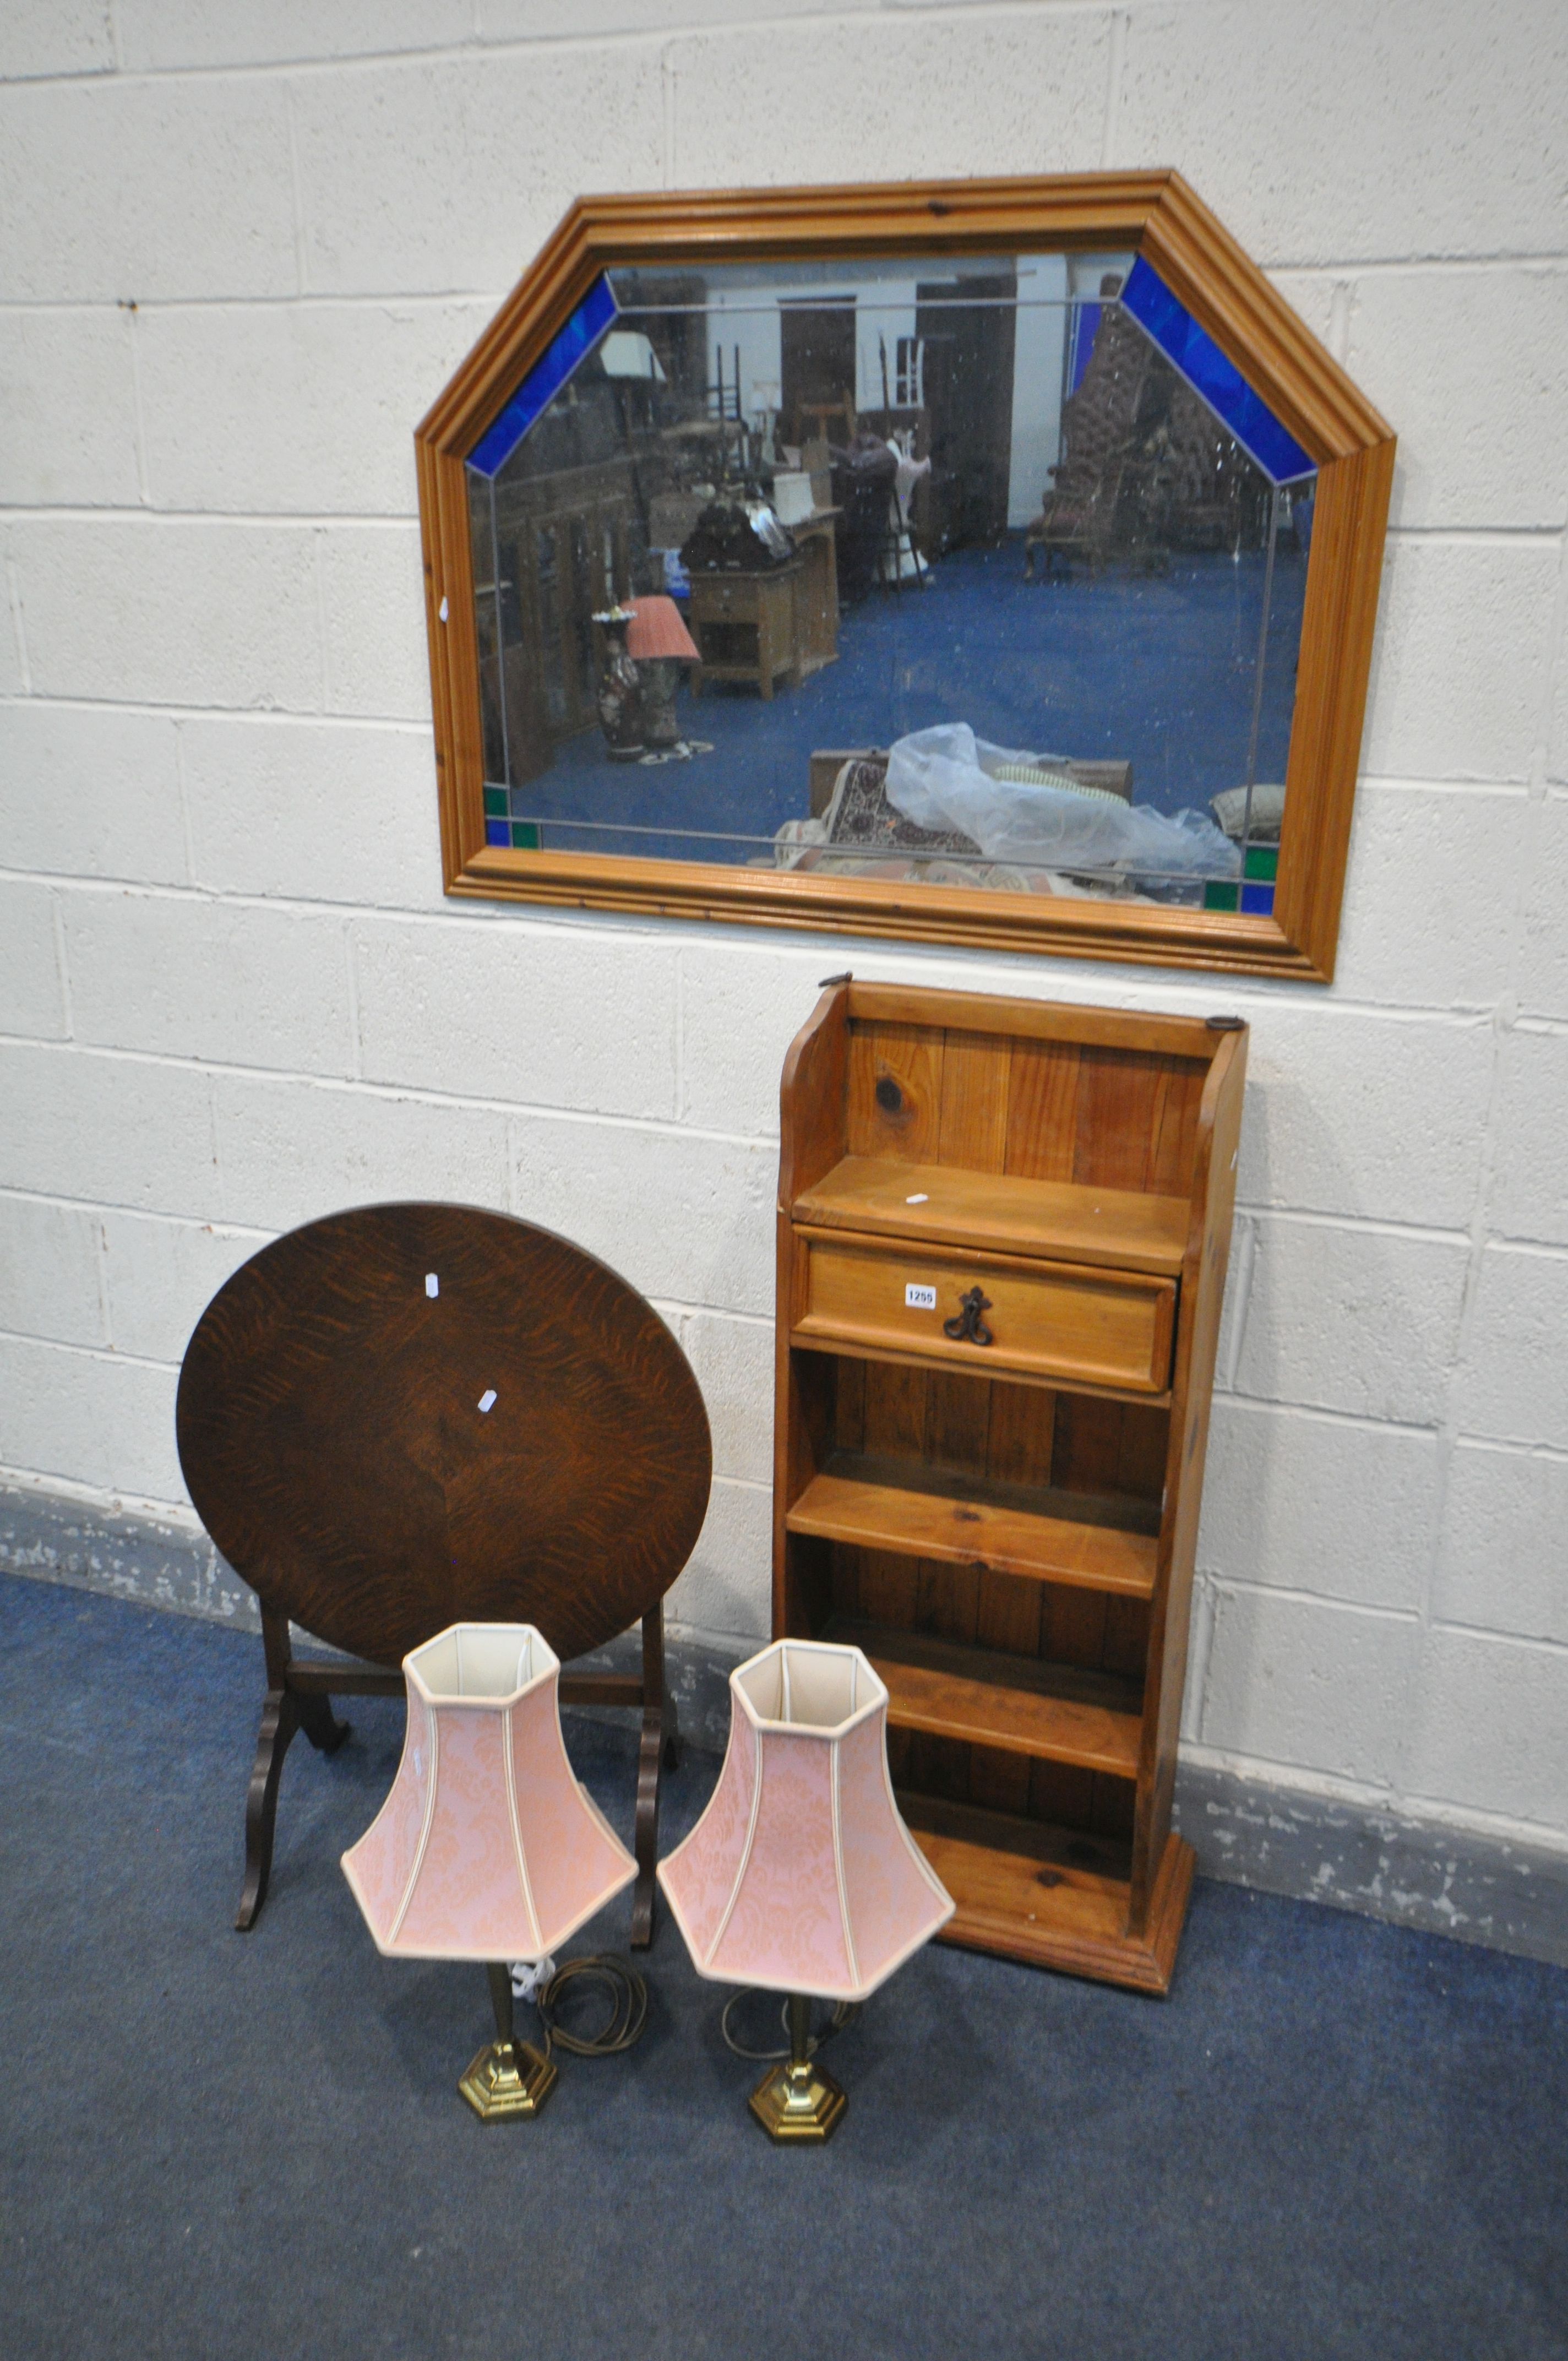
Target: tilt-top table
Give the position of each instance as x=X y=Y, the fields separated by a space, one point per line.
x=405 y=1416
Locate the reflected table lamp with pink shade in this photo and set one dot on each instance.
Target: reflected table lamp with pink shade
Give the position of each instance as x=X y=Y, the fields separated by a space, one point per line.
x=488 y=1847
x=659 y=643
x=801 y=1877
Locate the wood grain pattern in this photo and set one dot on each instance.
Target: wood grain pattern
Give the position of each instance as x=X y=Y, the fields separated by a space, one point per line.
x=1233 y=299
x=1060 y=1321
x=330 y=1435
x=1065 y=1022
x=1042 y=1111
x=1015 y=1552
x=1022 y=1705
x=855 y=1500
x=1051 y=1898
x=895 y=1108
x=1112 y=1227
x=1204 y=1287
x=973 y=1131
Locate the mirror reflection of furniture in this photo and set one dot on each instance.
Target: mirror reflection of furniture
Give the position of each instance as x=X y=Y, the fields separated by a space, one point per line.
x=488 y=1847
x=816 y=593
x=1107 y=392
x=800 y=1877
x=744 y=627
x=996 y=1496
x=661 y=647
x=409 y=1412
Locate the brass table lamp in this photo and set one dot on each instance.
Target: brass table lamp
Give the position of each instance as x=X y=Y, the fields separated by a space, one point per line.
x=800 y=1877
x=487 y=1847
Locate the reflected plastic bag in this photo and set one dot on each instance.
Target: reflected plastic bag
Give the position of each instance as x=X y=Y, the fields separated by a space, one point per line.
x=946 y=778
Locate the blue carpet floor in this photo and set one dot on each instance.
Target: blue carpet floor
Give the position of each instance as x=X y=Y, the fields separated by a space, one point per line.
x=1155 y=669
x=1336 y=2139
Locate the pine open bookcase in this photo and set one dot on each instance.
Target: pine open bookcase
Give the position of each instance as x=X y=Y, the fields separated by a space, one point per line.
x=1002 y=1232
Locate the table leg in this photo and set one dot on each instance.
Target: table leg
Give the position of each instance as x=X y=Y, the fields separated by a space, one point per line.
x=660 y=1732
x=280 y=1720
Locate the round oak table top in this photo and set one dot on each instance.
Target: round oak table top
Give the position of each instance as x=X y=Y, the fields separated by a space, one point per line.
x=410 y=1415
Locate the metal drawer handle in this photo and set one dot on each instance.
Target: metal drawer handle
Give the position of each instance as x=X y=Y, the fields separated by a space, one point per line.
x=968 y=1327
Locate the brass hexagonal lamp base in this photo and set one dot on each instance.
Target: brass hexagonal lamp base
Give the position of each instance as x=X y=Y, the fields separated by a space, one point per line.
x=507 y=2079
x=795 y=2100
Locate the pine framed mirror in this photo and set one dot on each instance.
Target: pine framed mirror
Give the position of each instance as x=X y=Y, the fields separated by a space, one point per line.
x=988 y=562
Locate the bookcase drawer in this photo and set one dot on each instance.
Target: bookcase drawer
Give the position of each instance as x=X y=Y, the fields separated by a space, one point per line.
x=1060 y=1321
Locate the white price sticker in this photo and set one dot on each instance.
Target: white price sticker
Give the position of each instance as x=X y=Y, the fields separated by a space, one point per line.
x=920 y=1299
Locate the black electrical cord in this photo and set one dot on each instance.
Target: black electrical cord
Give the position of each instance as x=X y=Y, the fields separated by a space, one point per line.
x=844 y=2013
x=628 y=2003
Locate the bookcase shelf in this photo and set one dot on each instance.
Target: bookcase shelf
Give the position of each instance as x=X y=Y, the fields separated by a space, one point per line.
x=1058 y=1713
x=1002 y=1232
x=952 y=1519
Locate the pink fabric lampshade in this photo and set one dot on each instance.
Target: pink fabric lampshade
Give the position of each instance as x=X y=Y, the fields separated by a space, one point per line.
x=800 y=1875
x=656 y=630
x=486 y=1846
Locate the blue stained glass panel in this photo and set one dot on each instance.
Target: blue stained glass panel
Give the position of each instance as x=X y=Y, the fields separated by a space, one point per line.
x=563 y=355
x=1194 y=352
x=497 y=832
x=1258 y=899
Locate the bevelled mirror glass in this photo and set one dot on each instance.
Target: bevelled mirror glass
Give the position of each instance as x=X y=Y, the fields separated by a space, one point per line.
x=926 y=590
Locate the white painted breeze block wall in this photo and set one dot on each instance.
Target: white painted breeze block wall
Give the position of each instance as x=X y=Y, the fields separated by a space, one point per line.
x=242 y=247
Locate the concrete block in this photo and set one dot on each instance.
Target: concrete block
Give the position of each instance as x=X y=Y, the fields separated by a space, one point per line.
x=55 y=37
x=158 y=34
x=740 y=1008
x=685 y=1218
x=314 y=810
x=113 y=1131
x=88 y=1418
x=1529 y=1179
x=734 y=1364
x=50 y=1275
x=69 y=403
x=1362 y=1321
x=146 y=190
x=1023 y=89
x=1430 y=896
x=91 y=793
x=1543 y=955
x=726 y=1590
x=1320 y=134
x=1471 y=368
x=1500 y=1567
x=401 y=189
x=31 y=998
x=1460 y=665
x=159 y=1560
x=161 y=1276
x=377 y=658
x=296 y=412
x=1326 y=1689
x=184 y=978
x=538 y=20
x=1238 y=1290
x=518 y=1013
x=291 y=1151
x=1489 y=1727
x=1310 y=295
x=1294 y=1502
x=154 y=612
x=1509 y=1381
x=13 y=679
x=1351 y=1114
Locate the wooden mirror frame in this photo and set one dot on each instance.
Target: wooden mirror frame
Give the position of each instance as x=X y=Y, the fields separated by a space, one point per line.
x=1225 y=292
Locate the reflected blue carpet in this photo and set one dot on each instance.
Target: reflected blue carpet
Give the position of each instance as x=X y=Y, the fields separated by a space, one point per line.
x=1336 y=2138
x=1159 y=670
